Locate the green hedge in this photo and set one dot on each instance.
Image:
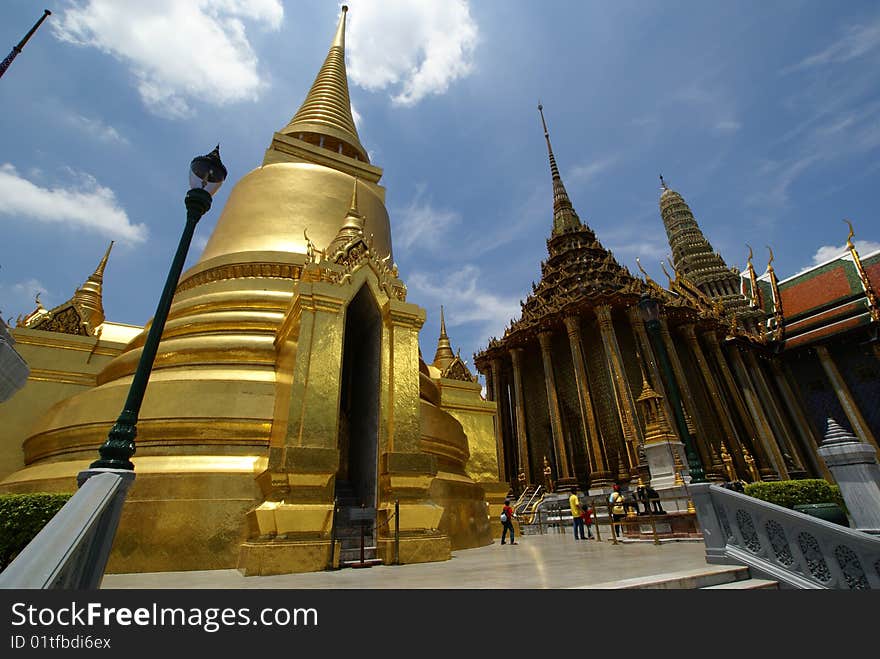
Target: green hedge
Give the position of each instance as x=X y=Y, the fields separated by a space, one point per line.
x=789 y=494
x=22 y=516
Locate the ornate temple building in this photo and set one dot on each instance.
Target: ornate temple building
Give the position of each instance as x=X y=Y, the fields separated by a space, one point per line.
x=288 y=387
x=734 y=378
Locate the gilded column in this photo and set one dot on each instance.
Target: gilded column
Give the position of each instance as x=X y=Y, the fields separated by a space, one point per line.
x=805 y=433
x=599 y=475
x=765 y=433
x=764 y=464
x=403 y=322
x=771 y=407
x=520 y=412
x=715 y=395
x=644 y=345
x=498 y=397
x=625 y=404
x=850 y=407
x=562 y=468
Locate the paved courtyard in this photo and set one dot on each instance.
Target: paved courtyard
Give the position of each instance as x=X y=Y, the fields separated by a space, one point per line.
x=542 y=561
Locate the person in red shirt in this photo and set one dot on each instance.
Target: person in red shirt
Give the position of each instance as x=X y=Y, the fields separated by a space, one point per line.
x=587 y=516
x=507 y=522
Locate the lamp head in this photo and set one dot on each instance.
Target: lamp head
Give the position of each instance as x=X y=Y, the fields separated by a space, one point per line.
x=207 y=172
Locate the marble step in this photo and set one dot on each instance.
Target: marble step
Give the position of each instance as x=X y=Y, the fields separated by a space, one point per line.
x=746 y=584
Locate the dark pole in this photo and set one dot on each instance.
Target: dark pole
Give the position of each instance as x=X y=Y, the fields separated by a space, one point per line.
x=652 y=324
x=116 y=452
x=18 y=48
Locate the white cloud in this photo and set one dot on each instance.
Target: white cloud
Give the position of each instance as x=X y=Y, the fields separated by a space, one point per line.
x=87 y=205
x=19 y=298
x=464 y=302
x=780 y=178
x=411 y=47
x=859 y=40
x=97 y=129
x=422 y=225
x=177 y=51
x=585 y=173
x=828 y=252
x=727 y=126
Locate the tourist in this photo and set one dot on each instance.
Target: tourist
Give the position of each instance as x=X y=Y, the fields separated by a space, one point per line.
x=507 y=522
x=617 y=510
x=587 y=516
x=575 y=505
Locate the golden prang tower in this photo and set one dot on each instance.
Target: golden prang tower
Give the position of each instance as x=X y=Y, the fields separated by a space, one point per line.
x=288 y=375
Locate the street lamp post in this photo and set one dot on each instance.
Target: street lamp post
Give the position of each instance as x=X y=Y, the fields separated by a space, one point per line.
x=207 y=174
x=650 y=310
x=18 y=48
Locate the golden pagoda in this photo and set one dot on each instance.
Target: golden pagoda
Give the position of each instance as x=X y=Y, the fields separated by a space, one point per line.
x=288 y=376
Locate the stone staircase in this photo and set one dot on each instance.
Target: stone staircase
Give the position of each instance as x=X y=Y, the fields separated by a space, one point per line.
x=713 y=577
x=350 y=518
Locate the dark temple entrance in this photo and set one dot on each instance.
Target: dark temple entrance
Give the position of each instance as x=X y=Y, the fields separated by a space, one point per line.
x=359 y=428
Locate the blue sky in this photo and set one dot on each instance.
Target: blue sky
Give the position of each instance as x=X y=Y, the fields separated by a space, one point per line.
x=765 y=116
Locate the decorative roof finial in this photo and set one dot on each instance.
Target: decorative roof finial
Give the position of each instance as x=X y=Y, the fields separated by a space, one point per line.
x=99 y=271
x=849 y=242
x=663 y=183
x=769 y=263
x=666 y=272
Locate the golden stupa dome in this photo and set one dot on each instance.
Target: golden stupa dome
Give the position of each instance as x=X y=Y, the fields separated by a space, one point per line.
x=275 y=206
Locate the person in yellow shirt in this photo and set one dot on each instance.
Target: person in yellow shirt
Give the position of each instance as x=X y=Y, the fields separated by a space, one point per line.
x=618 y=512
x=578 y=521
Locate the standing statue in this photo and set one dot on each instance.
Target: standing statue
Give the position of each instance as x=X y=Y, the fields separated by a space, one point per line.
x=750 y=463
x=548 y=475
x=729 y=471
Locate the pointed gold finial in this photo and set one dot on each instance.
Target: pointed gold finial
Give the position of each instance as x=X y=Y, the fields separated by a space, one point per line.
x=849 y=242
x=772 y=258
x=755 y=293
x=99 y=271
x=325 y=116
x=870 y=293
x=351 y=231
x=666 y=272
x=444 y=355
x=353 y=206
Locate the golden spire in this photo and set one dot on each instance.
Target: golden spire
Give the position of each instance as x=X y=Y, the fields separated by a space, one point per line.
x=325 y=116
x=444 y=355
x=351 y=231
x=564 y=216
x=89 y=297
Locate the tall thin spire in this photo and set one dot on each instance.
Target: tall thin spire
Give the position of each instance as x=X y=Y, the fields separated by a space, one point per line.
x=444 y=355
x=99 y=271
x=325 y=116
x=564 y=216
